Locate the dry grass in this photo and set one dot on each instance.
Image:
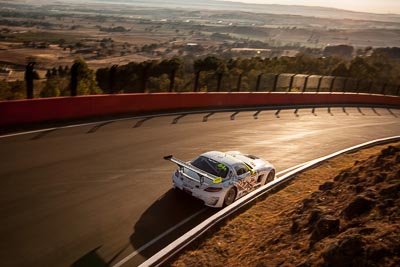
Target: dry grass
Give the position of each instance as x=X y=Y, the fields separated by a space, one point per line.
x=262 y=235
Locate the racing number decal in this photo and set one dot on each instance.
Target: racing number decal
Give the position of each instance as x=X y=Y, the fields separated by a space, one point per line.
x=244 y=185
x=247 y=184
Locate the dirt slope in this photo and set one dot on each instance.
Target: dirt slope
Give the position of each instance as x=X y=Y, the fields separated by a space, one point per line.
x=352 y=218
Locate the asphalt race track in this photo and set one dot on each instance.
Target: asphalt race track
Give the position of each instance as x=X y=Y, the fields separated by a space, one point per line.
x=93 y=195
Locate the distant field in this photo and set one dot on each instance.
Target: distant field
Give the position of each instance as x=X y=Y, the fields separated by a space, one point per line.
x=105 y=33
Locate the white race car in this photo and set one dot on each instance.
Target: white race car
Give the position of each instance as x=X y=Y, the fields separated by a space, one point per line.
x=220 y=178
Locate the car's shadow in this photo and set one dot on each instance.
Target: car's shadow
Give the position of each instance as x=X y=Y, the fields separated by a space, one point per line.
x=165 y=220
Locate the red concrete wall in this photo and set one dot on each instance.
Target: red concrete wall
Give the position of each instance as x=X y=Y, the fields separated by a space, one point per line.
x=50 y=109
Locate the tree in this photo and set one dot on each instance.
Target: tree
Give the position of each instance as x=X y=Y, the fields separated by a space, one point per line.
x=340 y=70
x=207 y=64
x=51 y=88
x=83 y=79
x=343 y=51
x=170 y=67
x=12 y=90
x=5 y=91
x=103 y=79
x=390 y=52
x=360 y=69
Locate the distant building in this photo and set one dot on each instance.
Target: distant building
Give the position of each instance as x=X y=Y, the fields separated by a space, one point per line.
x=252 y=51
x=289 y=53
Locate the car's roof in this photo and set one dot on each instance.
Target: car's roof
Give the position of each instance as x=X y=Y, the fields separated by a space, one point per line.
x=222 y=158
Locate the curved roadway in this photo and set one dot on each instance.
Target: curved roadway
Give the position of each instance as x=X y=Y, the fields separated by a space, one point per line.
x=93 y=195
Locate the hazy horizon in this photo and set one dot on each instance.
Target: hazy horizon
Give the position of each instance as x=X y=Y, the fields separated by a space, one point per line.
x=370 y=6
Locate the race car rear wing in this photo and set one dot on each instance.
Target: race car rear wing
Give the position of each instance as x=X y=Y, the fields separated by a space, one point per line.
x=202 y=174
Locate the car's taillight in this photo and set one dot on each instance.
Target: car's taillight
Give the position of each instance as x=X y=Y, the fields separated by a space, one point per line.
x=177 y=173
x=213 y=189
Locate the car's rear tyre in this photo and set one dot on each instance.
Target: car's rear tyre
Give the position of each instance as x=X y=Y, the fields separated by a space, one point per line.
x=230 y=196
x=270 y=177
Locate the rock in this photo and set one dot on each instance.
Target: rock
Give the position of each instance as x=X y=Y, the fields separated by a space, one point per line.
x=390 y=151
x=380 y=178
x=390 y=191
x=380 y=160
x=346 y=252
x=354 y=180
x=341 y=176
x=378 y=253
x=305 y=264
x=357 y=207
x=366 y=230
x=315 y=215
x=359 y=189
x=387 y=166
x=294 y=229
x=388 y=207
x=326 y=226
x=326 y=186
x=307 y=203
x=371 y=194
x=261 y=264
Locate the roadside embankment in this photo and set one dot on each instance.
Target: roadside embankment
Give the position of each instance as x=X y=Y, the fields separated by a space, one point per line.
x=345 y=212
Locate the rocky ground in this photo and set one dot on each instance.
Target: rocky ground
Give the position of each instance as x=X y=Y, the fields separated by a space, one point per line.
x=345 y=212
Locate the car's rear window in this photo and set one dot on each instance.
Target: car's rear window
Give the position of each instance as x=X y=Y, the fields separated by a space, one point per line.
x=211 y=166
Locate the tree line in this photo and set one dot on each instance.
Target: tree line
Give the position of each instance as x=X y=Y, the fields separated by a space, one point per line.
x=210 y=73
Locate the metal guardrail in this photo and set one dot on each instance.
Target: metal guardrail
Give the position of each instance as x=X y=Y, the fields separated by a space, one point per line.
x=173 y=248
x=215 y=81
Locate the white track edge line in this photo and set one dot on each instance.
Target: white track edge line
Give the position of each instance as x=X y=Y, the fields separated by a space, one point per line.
x=134 y=253
x=262 y=108
x=211 y=221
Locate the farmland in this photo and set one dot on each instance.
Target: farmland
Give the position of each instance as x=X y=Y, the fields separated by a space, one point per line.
x=107 y=33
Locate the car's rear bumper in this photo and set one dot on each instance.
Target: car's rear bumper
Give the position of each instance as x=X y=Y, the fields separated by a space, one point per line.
x=211 y=199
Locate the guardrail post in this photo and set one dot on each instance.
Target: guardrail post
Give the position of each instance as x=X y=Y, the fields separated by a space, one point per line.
x=258 y=82
x=370 y=87
x=384 y=88
x=29 y=79
x=291 y=83
x=358 y=85
x=239 y=83
x=305 y=83
x=74 y=79
x=196 y=82
x=332 y=83
x=344 y=84
x=219 y=80
x=275 y=82
x=113 y=72
x=172 y=80
x=319 y=83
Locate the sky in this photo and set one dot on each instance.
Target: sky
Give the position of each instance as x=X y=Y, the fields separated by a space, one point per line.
x=373 y=6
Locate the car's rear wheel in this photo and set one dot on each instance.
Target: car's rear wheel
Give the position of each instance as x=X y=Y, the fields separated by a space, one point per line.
x=230 y=196
x=270 y=177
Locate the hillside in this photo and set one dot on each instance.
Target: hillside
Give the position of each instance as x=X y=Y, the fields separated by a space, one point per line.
x=313 y=11
x=351 y=219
